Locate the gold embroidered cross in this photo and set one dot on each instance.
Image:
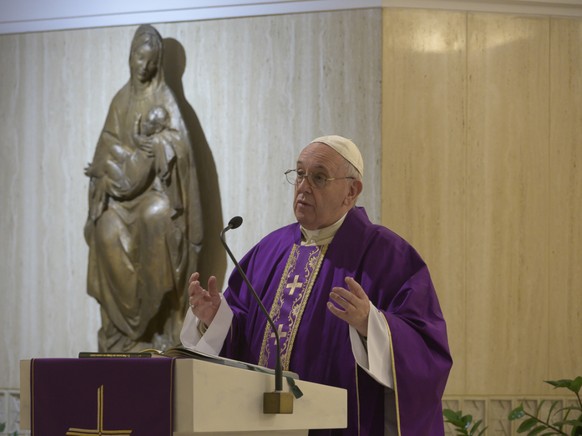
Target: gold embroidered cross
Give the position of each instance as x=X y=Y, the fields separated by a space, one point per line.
x=282 y=334
x=99 y=431
x=296 y=284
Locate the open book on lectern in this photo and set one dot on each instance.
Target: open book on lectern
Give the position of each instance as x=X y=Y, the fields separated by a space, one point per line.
x=181 y=352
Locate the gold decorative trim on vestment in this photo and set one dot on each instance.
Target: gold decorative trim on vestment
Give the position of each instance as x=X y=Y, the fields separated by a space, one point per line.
x=294 y=319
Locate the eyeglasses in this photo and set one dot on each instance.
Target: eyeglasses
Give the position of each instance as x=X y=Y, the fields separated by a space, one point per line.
x=318 y=180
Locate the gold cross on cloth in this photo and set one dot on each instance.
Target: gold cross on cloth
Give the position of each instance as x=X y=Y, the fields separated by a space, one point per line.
x=282 y=334
x=296 y=284
x=99 y=431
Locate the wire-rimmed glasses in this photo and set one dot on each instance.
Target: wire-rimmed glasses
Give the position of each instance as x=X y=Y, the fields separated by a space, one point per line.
x=317 y=180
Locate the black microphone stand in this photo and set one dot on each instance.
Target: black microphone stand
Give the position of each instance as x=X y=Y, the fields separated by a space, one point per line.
x=277 y=401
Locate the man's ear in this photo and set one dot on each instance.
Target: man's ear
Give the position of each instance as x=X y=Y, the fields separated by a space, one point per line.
x=356 y=187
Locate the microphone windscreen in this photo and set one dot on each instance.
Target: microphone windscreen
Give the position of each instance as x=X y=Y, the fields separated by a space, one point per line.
x=235 y=222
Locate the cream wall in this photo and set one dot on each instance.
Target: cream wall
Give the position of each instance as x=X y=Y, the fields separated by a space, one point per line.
x=260 y=89
x=482 y=137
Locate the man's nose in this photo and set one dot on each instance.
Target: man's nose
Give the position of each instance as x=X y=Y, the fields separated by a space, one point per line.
x=304 y=185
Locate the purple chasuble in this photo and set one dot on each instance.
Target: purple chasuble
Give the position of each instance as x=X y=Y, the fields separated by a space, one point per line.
x=397 y=282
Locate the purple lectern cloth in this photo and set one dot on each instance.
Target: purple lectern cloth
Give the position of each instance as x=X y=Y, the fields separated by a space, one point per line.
x=397 y=282
x=101 y=396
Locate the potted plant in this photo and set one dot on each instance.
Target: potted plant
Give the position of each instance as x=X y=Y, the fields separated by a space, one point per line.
x=558 y=420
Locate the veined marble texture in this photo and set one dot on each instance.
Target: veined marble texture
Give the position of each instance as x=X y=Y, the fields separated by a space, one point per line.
x=259 y=88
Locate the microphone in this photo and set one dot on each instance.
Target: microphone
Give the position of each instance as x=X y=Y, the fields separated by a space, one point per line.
x=278 y=401
x=234 y=223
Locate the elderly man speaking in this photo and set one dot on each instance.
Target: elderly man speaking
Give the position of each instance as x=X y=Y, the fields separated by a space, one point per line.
x=353 y=302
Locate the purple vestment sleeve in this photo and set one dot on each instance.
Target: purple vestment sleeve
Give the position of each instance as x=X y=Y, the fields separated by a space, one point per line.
x=397 y=282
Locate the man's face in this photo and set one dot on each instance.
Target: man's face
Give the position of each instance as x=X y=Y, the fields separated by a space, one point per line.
x=316 y=208
x=143 y=63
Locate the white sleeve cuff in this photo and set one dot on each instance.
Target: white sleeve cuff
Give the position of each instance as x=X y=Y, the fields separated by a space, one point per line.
x=213 y=339
x=377 y=359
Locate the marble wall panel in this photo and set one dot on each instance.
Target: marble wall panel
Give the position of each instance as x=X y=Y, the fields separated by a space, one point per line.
x=481 y=139
x=424 y=106
x=259 y=89
x=507 y=202
x=565 y=225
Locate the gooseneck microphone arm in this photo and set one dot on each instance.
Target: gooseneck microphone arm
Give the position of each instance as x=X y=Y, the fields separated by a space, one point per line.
x=233 y=224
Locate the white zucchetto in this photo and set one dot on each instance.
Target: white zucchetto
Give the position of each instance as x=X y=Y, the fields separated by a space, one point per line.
x=346 y=148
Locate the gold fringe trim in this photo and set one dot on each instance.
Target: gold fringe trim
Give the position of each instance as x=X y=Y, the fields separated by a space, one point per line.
x=394 y=376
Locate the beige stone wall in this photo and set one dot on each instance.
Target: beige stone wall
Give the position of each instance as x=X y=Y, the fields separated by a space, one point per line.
x=482 y=147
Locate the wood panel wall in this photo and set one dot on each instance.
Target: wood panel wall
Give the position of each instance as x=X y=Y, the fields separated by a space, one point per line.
x=482 y=144
x=565 y=210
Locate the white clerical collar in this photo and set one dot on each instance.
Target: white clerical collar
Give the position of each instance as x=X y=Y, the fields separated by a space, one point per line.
x=321 y=236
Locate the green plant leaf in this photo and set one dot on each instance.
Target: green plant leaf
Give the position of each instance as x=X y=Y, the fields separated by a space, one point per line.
x=572 y=422
x=2 y=426
x=516 y=413
x=537 y=430
x=527 y=425
x=573 y=385
x=463 y=423
x=475 y=428
x=450 y=414
x=455 y=418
